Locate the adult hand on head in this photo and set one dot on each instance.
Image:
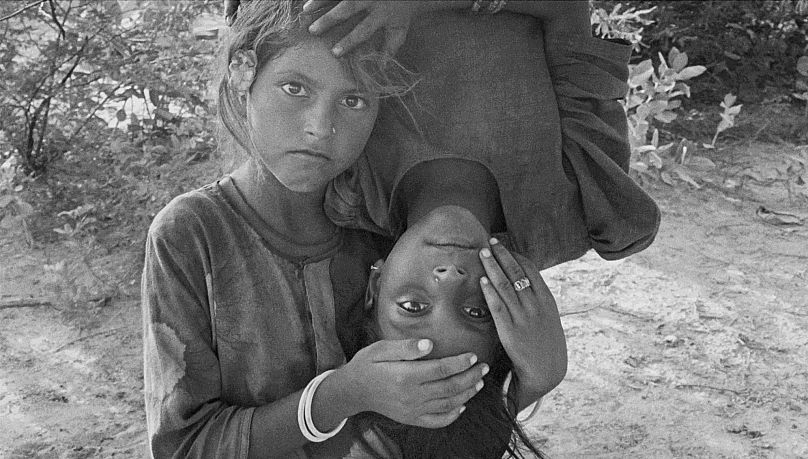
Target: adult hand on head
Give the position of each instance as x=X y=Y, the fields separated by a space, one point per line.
x=392 y=16
x=527 y=321
x=385 y=377
x=230 y=8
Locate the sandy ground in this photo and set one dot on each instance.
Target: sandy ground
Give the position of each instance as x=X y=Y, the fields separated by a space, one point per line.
x=694 y=348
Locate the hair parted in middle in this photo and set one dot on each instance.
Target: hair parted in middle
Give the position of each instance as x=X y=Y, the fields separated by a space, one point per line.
x=270 y=27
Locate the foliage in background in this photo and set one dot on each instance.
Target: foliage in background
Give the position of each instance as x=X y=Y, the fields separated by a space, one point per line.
x=118 y=87
x=750 y=48
x=802 y=83
x=626 y=25
x=653 y=98
x=727 y=117
x=73 y=66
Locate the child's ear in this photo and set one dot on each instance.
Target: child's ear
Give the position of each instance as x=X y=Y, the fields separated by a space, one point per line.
x=372 y=291
x=241 y=71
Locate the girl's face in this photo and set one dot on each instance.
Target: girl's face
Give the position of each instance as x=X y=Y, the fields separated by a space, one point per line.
x=429 y=286
x=309 y=119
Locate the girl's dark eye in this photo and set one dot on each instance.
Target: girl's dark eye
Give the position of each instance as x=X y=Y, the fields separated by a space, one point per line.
x=477 y=313
x=354 y=102
x=294 y=89
x=413 y=307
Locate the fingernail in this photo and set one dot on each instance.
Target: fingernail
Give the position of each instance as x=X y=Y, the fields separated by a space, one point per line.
x=462 y=409
x=472 y=359
x=485 y=369
x=307 y=5
x=484 y=280
x=423 y=345
x=479 y=386
x=493 y=241
x=337 y=50
x=485 y=253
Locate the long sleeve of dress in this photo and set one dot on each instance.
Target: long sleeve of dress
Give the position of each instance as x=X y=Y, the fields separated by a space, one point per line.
x=589 y=78
x=232 y=323
x=185 y=413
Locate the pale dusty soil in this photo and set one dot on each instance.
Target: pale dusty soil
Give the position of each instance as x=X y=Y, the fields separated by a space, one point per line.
x=694 y=348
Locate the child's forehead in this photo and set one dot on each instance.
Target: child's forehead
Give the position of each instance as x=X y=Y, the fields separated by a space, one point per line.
x=311 y=59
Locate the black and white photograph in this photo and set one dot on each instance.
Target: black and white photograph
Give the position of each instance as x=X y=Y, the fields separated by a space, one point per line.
x=403 y=229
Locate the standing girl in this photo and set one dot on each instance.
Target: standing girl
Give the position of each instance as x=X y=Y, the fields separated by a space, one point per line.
x=247 y=285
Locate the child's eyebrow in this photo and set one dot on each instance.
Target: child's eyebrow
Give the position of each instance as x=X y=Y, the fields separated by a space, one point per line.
x=444 y=244
x=294 y=74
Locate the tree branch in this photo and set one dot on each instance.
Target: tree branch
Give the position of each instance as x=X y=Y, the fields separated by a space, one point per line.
x=25 y=303
x=56 y=20
x=23 y=9
x=84 y=338
x=95 y=109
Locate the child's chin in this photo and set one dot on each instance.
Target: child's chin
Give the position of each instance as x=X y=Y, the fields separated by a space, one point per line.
x=455 y=220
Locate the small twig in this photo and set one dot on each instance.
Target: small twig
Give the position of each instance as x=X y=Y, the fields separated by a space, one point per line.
x=759 y=131
x=636 y=316
x=792 y=255
x=83 y=338
x=29 y=237
x=62 y=32
x=25 y=303
x=21 y=10
x=705 y=386
x=585 y=310
x=139 y=443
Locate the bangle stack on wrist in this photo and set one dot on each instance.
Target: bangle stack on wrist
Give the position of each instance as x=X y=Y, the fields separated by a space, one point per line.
x=488 y=6
x=304 y=420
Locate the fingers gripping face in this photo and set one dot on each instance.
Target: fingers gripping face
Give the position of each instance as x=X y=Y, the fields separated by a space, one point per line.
x=426 y=393
x=503 y=271
x=527 y=320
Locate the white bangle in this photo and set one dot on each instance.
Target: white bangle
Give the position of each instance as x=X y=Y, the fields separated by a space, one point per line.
x=304 y=420
x=527 y=412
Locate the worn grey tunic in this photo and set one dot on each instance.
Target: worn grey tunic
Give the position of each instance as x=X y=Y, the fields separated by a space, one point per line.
x=231 y=322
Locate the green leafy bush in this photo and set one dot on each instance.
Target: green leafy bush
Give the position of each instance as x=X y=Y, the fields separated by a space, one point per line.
x=750 y=48
x=73 y=66
x=654 y=95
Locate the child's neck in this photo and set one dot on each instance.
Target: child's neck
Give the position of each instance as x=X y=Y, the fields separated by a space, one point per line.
x=457 y=182
x=298 y=216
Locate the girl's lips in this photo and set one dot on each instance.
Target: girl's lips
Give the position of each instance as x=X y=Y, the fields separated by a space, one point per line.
x=459 y=243
x=311 y=153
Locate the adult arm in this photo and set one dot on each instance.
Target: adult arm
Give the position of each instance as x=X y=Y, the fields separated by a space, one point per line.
x=394 y=17
x=589 y=79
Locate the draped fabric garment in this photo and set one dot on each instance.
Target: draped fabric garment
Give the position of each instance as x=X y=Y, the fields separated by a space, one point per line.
x=231 y=322
x=542 y=115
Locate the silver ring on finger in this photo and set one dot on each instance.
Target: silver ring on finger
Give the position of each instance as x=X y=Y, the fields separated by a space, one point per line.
x=521 y=284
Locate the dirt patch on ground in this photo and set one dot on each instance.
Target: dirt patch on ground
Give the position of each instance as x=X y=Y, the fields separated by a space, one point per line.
x=695 y=347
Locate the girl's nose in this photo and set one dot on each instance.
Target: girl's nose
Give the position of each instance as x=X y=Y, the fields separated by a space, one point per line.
x=448 y=273
x=319 y=122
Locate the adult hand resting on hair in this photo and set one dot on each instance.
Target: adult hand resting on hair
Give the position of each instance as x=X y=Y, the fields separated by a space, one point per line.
x=568 y=18
x=392 y=16
x=527 y=322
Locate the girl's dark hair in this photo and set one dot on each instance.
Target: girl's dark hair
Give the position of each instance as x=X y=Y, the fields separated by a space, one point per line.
x=270 y=27
x=486 y=429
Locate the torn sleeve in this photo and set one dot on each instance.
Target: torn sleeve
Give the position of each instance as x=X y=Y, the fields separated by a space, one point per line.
x=589 y=78
x=185 y=414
